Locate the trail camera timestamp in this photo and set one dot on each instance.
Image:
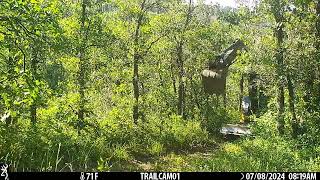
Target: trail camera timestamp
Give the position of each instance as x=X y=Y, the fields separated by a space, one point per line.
x=302 y=176
x=263 y=176
x=279 y=176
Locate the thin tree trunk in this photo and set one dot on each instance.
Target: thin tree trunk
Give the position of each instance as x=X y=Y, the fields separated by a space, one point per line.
x=280 y=95
x=173 y=80
x=294 y=123
x=279 y=33
x=195 y=95
x=225 y=99
x=253 y=91
x=136 y=59
x=280 y=100
x=83 y=64
x=33 y=107
x=136 y=88
x=180 y=61
x=181 y=90
x=241 y=92
x=317 y=94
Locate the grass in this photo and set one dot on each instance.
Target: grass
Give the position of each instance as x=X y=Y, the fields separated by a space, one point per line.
x=179 y=146
x=243 y=155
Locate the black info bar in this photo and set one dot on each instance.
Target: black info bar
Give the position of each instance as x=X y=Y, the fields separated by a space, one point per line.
x=160 y=175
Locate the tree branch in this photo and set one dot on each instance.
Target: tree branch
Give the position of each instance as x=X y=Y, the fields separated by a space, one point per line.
x=24 y=57
x=151 y=44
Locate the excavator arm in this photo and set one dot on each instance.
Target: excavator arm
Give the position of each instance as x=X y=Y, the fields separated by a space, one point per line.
x=214 y=78
x=228 y=56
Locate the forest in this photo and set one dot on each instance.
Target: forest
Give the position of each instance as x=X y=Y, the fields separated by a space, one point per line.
x=119 y=85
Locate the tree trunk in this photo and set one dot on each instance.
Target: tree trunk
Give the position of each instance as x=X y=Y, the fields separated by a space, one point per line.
x=279 y=33
x=280 y=100
x=33 y=107
x=317 y=94
x=241 y=92
x=181 y=90
x=82 y=65
x=173 y=80
x=136 y=88
x=253 y=91
x=294 y=123
x=81 y=80
x=180 y=62
x=280 y=96
x=195 y=94
x=136 y=59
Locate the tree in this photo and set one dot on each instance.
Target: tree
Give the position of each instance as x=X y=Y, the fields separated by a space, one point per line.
x=277 y=7
x=136 y=59
x=317 y=94
x=30 y=27
x=143 y=39
x=180 y=43
x=84 y=35
x=83 y=63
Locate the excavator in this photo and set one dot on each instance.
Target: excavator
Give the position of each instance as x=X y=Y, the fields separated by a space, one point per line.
x=214 y=82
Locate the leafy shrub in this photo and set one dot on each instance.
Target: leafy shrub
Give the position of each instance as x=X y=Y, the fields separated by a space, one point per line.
x=216 y=118
x=179 y=133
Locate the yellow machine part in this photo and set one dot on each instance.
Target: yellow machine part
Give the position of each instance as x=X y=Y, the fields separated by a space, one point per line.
x=242 y=118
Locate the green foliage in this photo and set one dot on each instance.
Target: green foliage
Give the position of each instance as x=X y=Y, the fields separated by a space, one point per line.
x=179 y=134
x=256 y=155
x=265 y=126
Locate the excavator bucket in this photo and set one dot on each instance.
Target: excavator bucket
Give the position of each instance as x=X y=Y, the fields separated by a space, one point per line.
x=235 y=129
